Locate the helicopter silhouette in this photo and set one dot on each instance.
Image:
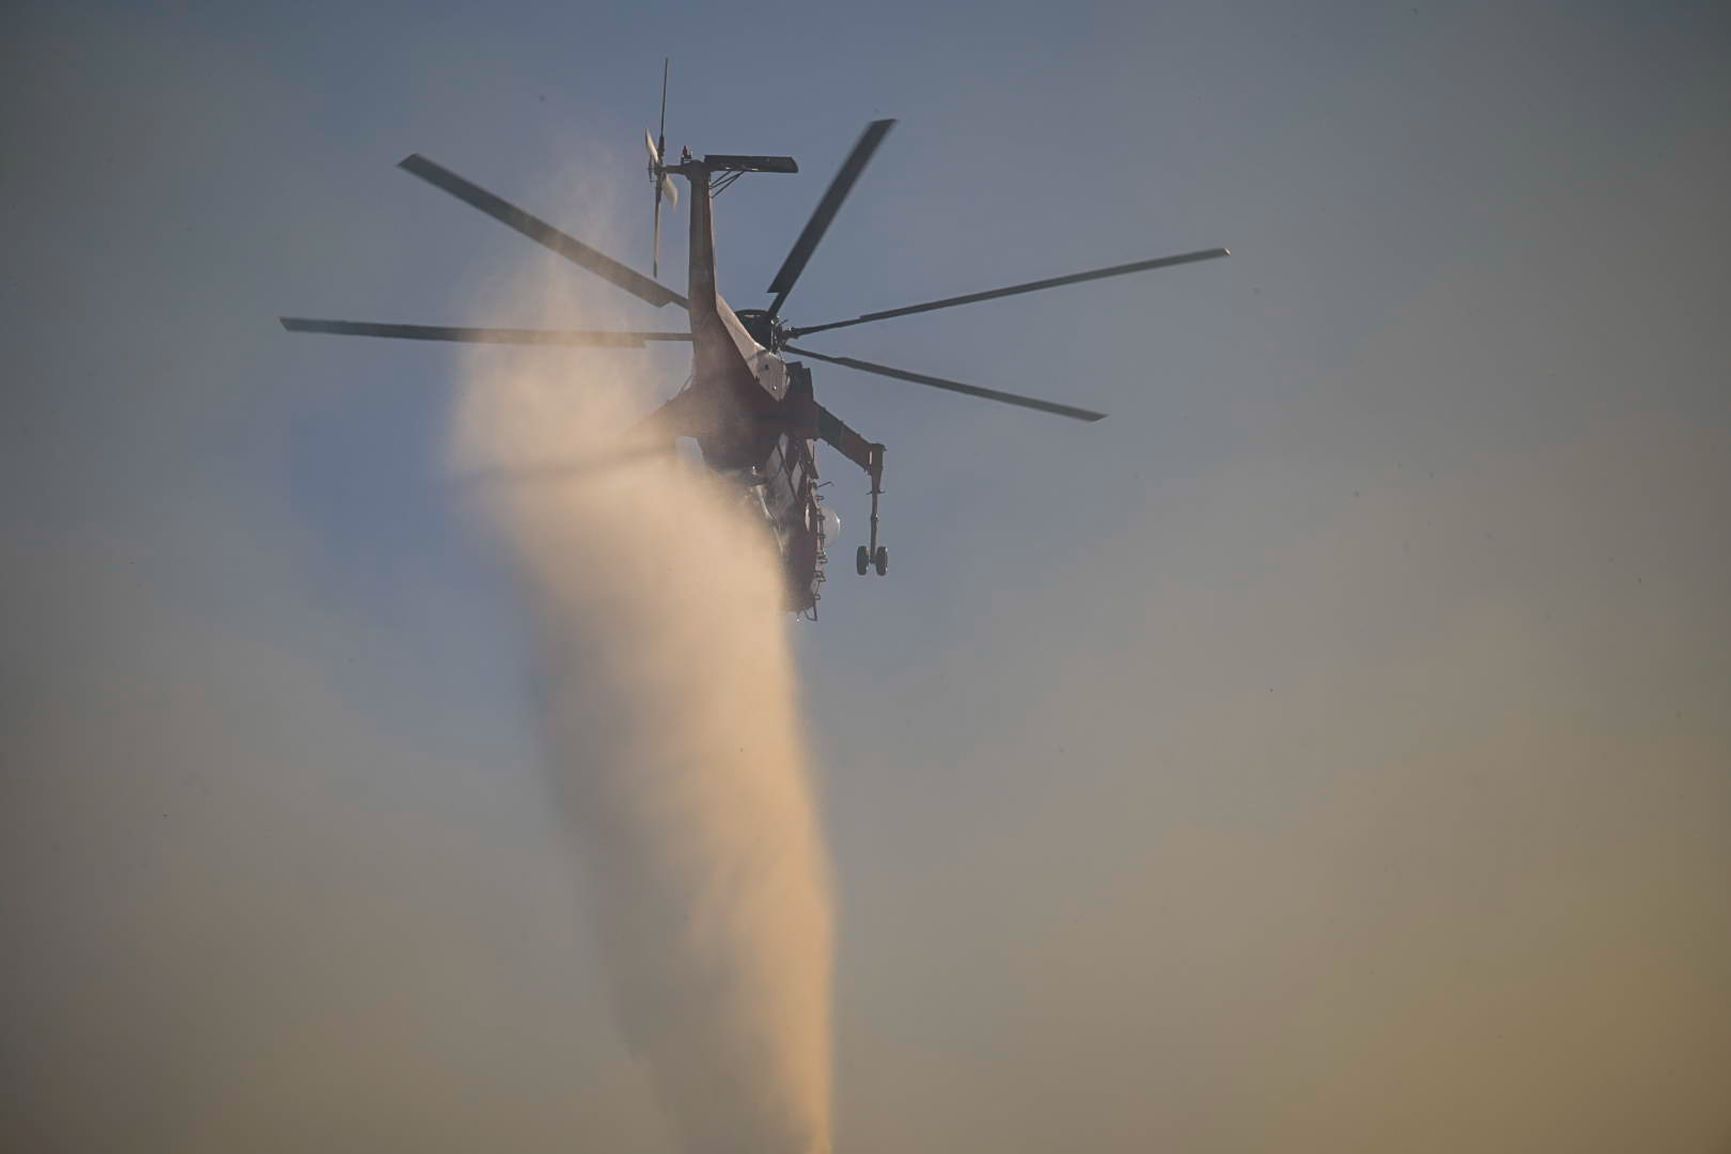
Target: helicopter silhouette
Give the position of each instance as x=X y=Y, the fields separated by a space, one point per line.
x=749 y=406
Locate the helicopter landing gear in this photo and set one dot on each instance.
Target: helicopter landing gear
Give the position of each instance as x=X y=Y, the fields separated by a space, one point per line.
x=874 y=556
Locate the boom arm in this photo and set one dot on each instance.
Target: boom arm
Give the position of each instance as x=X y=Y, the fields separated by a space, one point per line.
x=834 y=431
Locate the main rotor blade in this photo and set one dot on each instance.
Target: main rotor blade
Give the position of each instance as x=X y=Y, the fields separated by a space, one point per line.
x=573 y=338
x=543 y=233
x=1036 y=403
x=825 y=211
x=582 y=469
x=1013 y=290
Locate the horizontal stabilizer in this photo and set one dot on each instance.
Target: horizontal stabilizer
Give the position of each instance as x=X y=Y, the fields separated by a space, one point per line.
x=728 y=163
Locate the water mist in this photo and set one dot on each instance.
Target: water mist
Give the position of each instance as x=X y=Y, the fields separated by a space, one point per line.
x=671 y=718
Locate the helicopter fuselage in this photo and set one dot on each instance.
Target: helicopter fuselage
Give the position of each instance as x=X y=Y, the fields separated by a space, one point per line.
x=749 y=409
x=752 y=413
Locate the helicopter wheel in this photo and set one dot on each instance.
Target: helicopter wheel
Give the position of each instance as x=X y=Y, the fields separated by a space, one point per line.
x=881 y=562
x=862 y=561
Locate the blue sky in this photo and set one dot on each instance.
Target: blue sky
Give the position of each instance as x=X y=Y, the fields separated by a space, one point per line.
x=1312 y=751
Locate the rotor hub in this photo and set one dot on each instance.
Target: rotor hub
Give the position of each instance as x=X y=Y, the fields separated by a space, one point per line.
x=765 y=328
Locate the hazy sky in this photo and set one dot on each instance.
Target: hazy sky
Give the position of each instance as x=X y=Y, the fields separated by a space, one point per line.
x=1331 y=750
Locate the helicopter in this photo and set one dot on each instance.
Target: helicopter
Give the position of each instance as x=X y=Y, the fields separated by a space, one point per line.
x=748 y=404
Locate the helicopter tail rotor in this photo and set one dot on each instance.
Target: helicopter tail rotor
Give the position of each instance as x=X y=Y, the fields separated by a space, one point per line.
x=663 y=183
